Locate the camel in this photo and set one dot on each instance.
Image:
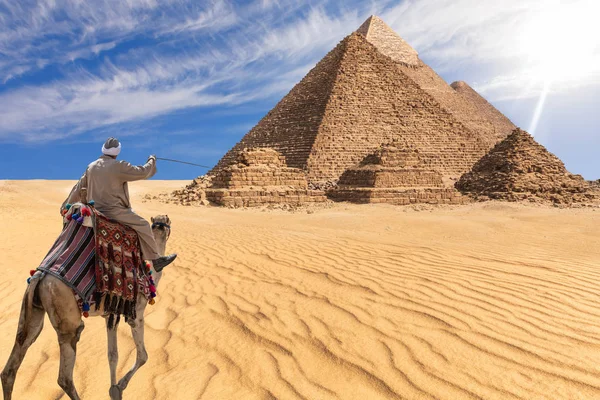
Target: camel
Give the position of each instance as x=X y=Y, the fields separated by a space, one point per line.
x=51 y=295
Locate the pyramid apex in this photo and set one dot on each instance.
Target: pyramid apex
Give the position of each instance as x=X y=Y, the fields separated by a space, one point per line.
x=388 y=42
x=460 y=85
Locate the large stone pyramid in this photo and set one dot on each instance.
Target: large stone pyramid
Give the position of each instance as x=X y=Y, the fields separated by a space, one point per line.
x=519 y=168
x=470 y=110
x=369 y=90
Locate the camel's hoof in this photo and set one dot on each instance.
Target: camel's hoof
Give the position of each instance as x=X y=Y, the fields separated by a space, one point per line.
x=115 y=393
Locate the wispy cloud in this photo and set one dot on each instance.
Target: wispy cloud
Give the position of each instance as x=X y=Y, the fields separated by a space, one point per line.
x=116 y=62
x=65 y=30
x=148 y=81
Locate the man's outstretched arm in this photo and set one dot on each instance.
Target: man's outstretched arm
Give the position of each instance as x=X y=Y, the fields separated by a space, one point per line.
x=130 y=172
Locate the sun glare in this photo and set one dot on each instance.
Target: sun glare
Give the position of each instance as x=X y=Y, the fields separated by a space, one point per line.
x=561 y=44
x=561 y=40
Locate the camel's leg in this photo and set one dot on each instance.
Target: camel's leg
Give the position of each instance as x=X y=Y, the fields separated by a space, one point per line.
x=35 y=325
x=68 y=351
x=113 y=360
x=137 y=330
x=113 y=353
x=63 y=312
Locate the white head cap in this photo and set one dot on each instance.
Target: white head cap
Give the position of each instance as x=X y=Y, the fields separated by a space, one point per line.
x=112 y=147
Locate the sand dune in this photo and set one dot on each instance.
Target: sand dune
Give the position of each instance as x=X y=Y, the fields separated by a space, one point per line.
x=486 y=301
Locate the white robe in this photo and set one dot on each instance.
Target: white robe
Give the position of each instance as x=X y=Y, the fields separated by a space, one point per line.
x=106 y=182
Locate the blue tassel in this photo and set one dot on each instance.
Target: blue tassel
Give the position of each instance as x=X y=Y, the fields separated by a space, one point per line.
x=86 y=307
x=68 y=206
x=92 y=202
x=28 y=280
x=75 y=216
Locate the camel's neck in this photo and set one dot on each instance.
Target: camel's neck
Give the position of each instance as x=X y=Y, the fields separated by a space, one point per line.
x=162 y=246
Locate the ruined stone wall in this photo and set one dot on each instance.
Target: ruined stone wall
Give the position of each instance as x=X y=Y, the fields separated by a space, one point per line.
x=388 y=42
x=373 y=102
x=399 y=196
x=382 y=177
x=259 y=196
x=235 y=177
x=291 y=126
x=261 y=156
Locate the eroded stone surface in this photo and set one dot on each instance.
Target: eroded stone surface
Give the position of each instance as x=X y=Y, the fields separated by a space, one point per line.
x=394 y=174
x=260 y=177
x=519 y=168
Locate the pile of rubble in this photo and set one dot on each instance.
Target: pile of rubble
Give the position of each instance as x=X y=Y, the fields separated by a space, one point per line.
x=519 y=168
x=192 y=194
x=324 y=186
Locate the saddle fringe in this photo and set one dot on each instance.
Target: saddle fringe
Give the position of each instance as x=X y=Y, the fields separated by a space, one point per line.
x=114 y=307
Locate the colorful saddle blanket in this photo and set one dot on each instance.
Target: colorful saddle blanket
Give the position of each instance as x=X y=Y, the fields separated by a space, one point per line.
x=103 y=265
x=71 y=259
x=119 y=264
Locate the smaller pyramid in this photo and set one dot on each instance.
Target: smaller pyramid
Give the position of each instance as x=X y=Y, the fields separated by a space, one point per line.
x=261 y=176
x=396 y=173
x=379 y=34
x=500 y=123
x=519 y=168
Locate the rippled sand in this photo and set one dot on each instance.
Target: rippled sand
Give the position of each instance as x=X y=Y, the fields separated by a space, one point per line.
x=486 y=301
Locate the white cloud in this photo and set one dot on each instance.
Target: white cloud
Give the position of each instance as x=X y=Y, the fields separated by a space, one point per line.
x=144 y=83
x=221 y=54
x=532 y=41
x=67 y=30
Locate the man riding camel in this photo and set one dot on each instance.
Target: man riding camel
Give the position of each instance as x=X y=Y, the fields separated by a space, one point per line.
x=106 y=182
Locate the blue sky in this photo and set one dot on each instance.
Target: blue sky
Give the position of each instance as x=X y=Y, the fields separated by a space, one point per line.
x=187 y=79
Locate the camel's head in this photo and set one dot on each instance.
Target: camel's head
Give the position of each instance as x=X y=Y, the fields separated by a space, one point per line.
x=161 y=229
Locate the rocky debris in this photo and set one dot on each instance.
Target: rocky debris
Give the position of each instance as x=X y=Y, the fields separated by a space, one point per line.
x=519 y=168
x=201 y=182
x=188 y=197
x=193 y=194
x=323 y=186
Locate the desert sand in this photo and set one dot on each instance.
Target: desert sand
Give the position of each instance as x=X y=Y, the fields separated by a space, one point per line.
x=482 y=301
